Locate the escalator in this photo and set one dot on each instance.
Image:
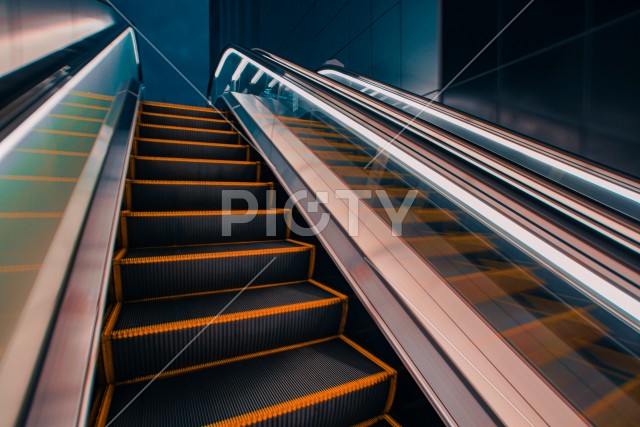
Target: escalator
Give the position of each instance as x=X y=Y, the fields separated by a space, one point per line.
x=255 y=338
x=291 y=257
x=552 y=324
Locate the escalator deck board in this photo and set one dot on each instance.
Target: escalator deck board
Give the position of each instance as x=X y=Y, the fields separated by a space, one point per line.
x=328 y=383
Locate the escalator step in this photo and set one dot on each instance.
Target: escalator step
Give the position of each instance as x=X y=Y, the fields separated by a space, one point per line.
x=193 y=195
x=148 y=229
x=141 y=337
x=180 y=270
x=181 y=110
x=170 y=168
x=332 y=382
x=188 y=149
x=187 y=134
x=184 y=121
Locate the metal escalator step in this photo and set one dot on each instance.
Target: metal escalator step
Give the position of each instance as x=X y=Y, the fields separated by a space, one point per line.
x=333 y=382
x=170 y=168
x=180 y=270
x=149 y=229
x=188 y=149
x=193 y=195
x=219 y=123
x=181 y=110
x=379 y=421
x=187 y=134
x=140 y=337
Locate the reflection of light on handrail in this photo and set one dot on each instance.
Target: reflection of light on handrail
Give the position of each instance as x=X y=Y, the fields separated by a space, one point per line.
x=255 y=78
x=239 y=70
x=578 y=173
x=581 y=275
x=27 y=126
x=225 y=55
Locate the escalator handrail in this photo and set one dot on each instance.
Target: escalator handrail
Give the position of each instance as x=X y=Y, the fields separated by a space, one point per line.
x=622 y=273
x=69 y=366
x=613 y=218
x=24 y=90
x=291 y=77
x=570 y=158
x=620 y=228
x=22 y=360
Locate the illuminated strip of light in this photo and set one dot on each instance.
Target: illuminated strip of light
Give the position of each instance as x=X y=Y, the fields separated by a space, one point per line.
x=578 y=173
x=272 y=83
x=584 y=277
x=239 y=70
x=225 y=55
x=255 y=78
x=22 y=131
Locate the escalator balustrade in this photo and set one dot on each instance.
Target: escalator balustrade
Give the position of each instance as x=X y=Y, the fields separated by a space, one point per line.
x=584 y=351
x=277 y=353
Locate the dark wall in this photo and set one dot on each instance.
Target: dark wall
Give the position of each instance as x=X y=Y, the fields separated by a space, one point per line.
x=31 y=29
x=565 y=73
x=395 y=41
x=180 y=30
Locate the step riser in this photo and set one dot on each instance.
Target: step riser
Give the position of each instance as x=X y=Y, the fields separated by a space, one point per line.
x=162 y=109
x=160 y=149
x=192 y=171
x=151 y=280
x=147 y=355
x=161 y=197
x=187 y=123
x=192 y=230
x=186 y=135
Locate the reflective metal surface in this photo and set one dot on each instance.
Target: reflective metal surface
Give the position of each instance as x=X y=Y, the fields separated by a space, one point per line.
x=535 y=297
x=49 y=166
x=63 y=392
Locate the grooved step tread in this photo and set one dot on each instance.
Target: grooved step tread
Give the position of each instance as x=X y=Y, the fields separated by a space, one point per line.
x=198 y=143
x=284 y=385
x=164 y=254
x=185 y=128
x=153 y=316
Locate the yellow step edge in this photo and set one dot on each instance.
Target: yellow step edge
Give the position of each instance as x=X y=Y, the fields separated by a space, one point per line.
x=180 y=142
x=202 y=366
x=86 y=119
x=120 y=260
x=318 y=397
x=139 y=214
x=382 y=365
x=103 y=412
x=19 y=268
x=188 y=160
x=176 y=116
x=91 y=107
x=67 y=132
x=31 y=214
x=374 y=420
x=218 y=183
x=37 y=178
x=92 y=95
x=122 y=334
x=182 y=107
x=52 y=152
x=223 y=132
